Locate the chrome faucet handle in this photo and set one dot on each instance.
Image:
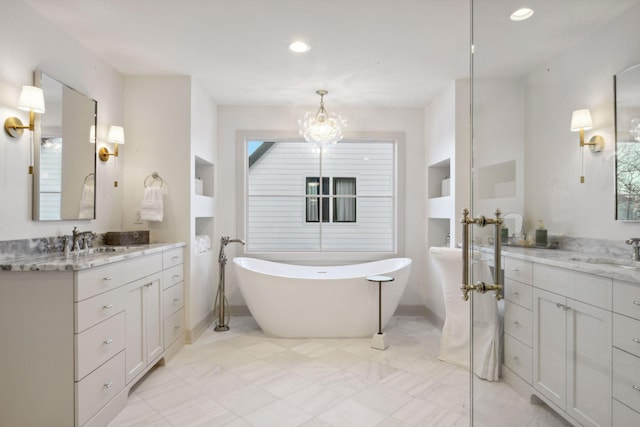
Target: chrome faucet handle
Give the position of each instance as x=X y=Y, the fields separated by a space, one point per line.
x=634 y=241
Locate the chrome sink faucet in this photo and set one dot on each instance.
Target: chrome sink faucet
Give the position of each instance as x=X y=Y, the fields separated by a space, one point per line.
x=81 y=236
x=635 y=244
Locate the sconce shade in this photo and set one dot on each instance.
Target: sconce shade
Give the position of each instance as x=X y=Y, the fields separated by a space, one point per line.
x=581 y=119
x=116 y=134
x=31 y=99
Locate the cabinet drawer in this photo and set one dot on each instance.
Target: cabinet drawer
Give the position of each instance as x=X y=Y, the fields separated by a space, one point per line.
x=518 y=269
x=173 y=327
x=173 y=299
x=172 y=276
x=98 y=388
x=517 y=357
x=623 y=416
x=520 y=293
x=172 y=257
x=518 y=323
x=626 y=379
x=587 y=288
x=626 y=334
x=97 y=280
x=626 y=299
x=98 y=344
x=98 y=308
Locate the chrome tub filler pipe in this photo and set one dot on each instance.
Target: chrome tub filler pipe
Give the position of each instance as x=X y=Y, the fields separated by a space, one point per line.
x=221 y=305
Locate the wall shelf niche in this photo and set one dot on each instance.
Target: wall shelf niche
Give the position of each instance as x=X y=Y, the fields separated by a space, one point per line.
x=438 y=179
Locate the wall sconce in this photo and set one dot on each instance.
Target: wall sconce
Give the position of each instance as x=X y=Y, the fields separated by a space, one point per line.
x=581 y=121
x=31 y=100
x=115 y=135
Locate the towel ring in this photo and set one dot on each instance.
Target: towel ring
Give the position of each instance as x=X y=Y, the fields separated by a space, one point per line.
x=90 y=176
x=156 y=177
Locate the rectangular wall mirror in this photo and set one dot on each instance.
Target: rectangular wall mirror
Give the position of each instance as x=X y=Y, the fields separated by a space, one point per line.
x=64 y=154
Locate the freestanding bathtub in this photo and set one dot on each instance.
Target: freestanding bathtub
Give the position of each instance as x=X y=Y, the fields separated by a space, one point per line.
x=293 y=301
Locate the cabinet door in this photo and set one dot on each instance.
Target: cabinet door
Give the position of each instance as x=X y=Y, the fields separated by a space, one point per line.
x=549 y=346
x=589 y=336
x=153 y=319
x=143 y=322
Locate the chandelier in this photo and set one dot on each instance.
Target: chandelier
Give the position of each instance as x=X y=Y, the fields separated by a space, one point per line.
x=322 y=128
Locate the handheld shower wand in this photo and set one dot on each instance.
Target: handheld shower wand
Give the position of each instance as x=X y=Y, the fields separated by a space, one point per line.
x=221 y=304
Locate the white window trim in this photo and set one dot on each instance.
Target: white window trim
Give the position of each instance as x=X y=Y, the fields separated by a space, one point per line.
x=342 y=257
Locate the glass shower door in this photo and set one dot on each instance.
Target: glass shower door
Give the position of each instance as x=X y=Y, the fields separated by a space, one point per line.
x=527 y=77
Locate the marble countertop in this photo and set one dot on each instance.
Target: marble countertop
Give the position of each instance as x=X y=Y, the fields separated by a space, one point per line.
x=616 y=268
x=97 y=256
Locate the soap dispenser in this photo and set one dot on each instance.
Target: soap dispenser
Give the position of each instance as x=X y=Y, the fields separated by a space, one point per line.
x=541 y=235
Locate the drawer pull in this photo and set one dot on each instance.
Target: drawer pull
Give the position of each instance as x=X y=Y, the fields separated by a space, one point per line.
x=175 y=257
x=516 y=323
x=635 y=387
x=636 y=302
x=146 y=285
x=636 y=340
x=178 y=299
x=106 y=279
x=514 y=269
x=107 y=307
x=107 y=342
x=515 y=357
x=108 y=385
x=176 y=327
x=176 y=276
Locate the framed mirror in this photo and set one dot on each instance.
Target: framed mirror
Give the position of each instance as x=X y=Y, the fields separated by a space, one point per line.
x=627 y=113
x=64 y=154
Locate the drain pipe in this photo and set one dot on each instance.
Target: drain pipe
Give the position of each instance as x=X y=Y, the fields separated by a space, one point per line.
x=221 y=304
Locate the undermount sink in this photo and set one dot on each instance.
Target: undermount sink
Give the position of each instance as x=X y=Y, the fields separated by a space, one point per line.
x=608 y=262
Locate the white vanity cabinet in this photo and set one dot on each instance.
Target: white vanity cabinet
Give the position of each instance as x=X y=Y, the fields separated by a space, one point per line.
x=517 y=317
x=572 y=333
x=75 y=341
x=626 y=354
x=173 y=299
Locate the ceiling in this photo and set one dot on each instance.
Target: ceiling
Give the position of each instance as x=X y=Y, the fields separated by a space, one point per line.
x=382 y=53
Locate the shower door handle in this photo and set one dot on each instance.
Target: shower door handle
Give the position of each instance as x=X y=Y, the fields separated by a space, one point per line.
x=480 y=286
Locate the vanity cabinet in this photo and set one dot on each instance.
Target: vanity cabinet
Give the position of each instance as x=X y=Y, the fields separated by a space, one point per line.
x=144 y=324
x=517 y=317
x=572 y=333
x=75 y=342
x=626 y=354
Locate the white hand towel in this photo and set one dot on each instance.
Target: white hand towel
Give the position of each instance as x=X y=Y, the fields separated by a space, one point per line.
x=86 y=202
x=151 y=208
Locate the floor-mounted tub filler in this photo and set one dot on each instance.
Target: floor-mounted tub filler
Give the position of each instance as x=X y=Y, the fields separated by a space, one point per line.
x=293 y=301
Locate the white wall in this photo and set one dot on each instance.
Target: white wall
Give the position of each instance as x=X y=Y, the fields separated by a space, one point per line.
x=31 y=42
x=409 y=121
x=581 y=77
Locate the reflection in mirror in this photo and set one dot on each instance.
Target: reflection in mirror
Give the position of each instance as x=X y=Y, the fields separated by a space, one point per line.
x=512 y=222
x=627 y=102
x=64 y=179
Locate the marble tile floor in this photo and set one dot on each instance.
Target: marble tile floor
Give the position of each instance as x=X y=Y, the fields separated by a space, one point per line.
x=242 y=378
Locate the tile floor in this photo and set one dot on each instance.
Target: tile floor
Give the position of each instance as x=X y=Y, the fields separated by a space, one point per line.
x=242 y=378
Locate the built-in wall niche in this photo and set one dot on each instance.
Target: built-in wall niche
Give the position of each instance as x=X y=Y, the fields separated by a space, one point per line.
x=203 y=179
x=204 y=227
x=439 y=179
x=438 y=229
x=497 y=181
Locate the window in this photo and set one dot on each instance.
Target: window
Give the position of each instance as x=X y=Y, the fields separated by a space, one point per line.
x=299 y=198
x=342 y=204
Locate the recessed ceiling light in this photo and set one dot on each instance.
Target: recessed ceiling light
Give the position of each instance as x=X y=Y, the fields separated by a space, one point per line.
x=522 y=14
x=299 y=47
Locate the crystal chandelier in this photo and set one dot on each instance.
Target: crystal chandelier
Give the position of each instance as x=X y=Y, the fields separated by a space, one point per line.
x=322 y=128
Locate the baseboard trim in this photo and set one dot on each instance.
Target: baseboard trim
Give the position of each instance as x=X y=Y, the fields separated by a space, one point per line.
x=193 y=334
x=434 y=318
